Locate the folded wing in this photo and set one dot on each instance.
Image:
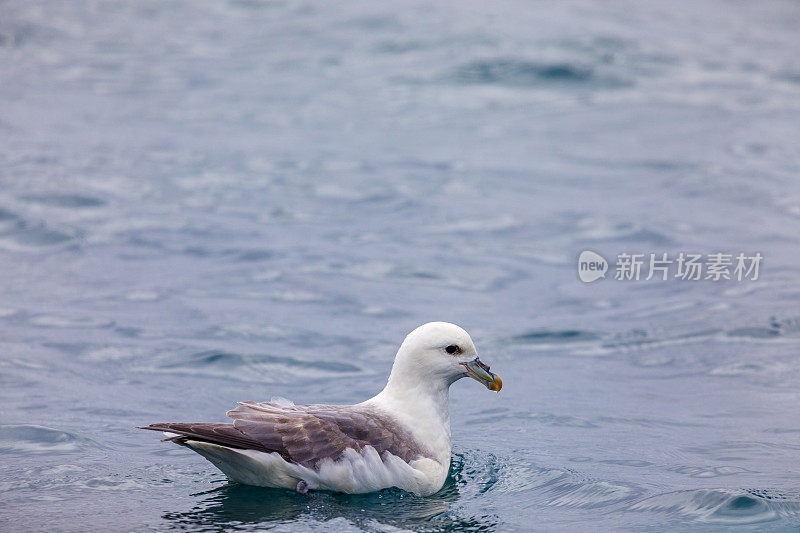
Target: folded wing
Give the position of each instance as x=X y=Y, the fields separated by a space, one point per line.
x=304 y=434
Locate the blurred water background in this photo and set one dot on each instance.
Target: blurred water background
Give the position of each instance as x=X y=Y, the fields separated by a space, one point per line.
x=210 y=201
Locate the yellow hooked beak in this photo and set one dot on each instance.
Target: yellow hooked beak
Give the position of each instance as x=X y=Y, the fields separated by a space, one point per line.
x=480 y=372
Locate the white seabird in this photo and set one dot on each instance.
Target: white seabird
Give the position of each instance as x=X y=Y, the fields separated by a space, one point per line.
x=399 y=438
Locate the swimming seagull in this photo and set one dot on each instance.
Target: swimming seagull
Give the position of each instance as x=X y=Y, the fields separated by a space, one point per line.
x=399 y=438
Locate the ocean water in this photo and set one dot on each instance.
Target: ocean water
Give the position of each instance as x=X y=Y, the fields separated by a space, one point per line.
x=210 y=201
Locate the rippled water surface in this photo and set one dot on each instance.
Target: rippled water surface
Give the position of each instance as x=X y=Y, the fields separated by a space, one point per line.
x=210 y=201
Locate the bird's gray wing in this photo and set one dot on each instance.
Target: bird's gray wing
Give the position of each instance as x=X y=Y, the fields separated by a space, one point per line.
x=304 y=434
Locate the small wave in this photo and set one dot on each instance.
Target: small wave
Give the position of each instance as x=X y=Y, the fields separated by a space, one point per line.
x=296 y=296
x=142 y=296
x=400 y=47
x=769 y=371
x=707 y=472
x=635 y=463
x=516 y=72
x=379 y=311
x=75 y=201
x=718 y=506
x=254 y=255
x=68 y=321
x=109 y=483
x=551 y=336
x=636 y=339
x=519 y=72
x=259 y=368
x=755 y=332
x=488 y=225
x=26 y=236
x=6 y=215
x=474 y=472
x=591 y=494
x=549 y=419
x=593 y=228
x=40 y=440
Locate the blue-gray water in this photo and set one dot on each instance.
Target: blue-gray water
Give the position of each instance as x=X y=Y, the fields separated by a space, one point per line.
x=210 y=201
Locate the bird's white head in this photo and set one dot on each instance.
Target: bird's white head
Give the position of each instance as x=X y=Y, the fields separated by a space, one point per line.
x=438 y=354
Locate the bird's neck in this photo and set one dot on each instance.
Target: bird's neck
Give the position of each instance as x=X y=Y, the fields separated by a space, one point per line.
x=422 y=405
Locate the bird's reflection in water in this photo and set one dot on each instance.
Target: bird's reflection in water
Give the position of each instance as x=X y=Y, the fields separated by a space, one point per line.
x=234 y=506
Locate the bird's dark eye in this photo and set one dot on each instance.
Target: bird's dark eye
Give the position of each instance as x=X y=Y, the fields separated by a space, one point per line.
x=452 y=349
